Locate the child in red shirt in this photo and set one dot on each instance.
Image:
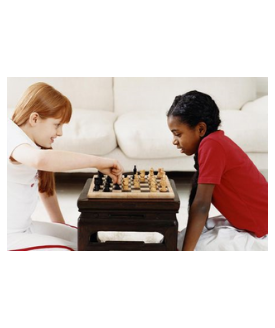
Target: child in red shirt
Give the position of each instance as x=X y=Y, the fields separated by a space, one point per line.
x=225 y=175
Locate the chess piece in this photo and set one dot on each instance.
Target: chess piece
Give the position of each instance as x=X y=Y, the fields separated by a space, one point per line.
x=97 y=184
x=163 y=180
x=125 y=184
x=153 y=188
x=117 y=186
x=162 y=189
x=100 y=177
x=106 y=187
x=160 y=173
x=151 y=173
x=142 y=175
x=135 y=170
x=162 y=185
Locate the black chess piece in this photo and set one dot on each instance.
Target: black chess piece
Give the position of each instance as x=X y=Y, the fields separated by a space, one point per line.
x=97 y=184
x=117 y=186
x=96 y=188
x=100 y=177
x=109 y=179
x=106 y=188
x=135 y=170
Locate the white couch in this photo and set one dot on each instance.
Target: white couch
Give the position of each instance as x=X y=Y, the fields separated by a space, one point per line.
x=125 y=118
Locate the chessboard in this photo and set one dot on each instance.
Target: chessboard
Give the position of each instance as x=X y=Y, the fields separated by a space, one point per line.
x=143 y=191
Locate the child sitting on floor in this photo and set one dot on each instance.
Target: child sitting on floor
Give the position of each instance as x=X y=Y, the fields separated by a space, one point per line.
x=37 y=120
x=225 y=176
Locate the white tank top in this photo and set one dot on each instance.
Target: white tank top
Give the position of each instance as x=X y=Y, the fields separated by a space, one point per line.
x=22 y=196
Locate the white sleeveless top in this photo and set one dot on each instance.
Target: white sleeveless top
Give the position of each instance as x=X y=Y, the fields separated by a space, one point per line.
x=22 y=196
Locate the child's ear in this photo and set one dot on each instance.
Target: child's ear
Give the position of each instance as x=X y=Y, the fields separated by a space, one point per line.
x=202 y=129
x=33 y=119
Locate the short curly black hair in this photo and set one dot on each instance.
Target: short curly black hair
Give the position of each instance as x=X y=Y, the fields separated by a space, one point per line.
x=192 y=108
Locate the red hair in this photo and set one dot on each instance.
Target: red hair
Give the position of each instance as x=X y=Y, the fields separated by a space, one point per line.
x=48 y=103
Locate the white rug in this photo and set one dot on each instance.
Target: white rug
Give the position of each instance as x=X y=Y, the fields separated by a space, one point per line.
x=222 y=236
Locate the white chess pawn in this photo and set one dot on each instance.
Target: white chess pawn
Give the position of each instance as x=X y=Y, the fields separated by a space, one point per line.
x=125 y=184
x=162 y=186
x=159 y=175
x=142 y=175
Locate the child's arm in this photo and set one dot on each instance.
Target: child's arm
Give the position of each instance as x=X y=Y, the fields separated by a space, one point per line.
x=198 y=215
x=52 y=207
x=58 y=161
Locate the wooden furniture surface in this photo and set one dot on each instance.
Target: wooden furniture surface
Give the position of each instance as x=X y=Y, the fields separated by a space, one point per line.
x=127 y=214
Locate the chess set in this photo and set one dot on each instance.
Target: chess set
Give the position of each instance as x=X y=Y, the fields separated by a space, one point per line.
x=137 y=185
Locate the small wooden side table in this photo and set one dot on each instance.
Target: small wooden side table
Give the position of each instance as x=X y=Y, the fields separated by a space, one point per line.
x=140 y=215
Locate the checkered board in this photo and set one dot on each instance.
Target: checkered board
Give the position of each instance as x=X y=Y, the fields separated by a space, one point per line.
x=140 y=193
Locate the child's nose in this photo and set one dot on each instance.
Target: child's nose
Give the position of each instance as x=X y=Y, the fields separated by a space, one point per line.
x=175 y=141
x=59 y=131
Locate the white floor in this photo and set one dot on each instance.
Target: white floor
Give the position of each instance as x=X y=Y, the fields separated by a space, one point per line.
x=68 y=194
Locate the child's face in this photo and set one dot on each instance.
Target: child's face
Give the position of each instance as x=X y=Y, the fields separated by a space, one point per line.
x=185 y=138
x=46 y=130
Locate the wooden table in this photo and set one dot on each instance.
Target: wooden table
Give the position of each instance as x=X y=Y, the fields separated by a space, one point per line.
x=140 y=215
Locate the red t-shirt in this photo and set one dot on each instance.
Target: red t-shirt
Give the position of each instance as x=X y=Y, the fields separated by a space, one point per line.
x=241 y=191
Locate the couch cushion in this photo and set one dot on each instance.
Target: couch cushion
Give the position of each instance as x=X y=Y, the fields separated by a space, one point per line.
x=90 y=132
x=249 y=130
x=157 y=93
x=145 y=135
x=259 y=106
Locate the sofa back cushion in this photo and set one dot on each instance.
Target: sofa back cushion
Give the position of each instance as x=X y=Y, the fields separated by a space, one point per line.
x=158 y=93
x=93 y=93
x=89 y=131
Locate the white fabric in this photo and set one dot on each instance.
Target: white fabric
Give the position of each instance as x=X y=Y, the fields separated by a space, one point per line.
x=145 y=135
x=22 y=183
x=259 y=106
x=249 y=130
x=222 y=236
x=158 y=93
x=42 y=235
x=146 y=237
x=90 y=132
x=93 y=93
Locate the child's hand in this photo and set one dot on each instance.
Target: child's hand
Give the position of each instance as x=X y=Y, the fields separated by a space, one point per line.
x=112 y=168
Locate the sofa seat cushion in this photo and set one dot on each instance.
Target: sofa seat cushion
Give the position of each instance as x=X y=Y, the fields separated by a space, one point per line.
x=90 y=132
x=145 y=134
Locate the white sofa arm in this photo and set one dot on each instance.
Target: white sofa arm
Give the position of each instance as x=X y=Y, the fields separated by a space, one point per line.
x=259 y=106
